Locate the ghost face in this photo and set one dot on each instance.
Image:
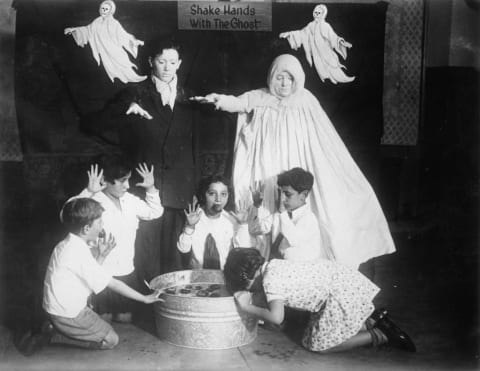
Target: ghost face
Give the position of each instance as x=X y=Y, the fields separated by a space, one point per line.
x=105 y=9
x=282 y=84
x=319 y=12
x=165 y=65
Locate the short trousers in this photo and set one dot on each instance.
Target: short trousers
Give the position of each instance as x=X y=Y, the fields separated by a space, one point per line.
x=86 y=326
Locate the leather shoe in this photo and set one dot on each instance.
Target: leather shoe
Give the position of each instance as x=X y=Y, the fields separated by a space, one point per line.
x=395 y=336
x=378 y=314
x=29 y=343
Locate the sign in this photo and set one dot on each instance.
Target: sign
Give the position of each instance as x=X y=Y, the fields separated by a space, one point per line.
x=225 y=15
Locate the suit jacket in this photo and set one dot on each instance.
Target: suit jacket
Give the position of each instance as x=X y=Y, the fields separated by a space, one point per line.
x=166 y=141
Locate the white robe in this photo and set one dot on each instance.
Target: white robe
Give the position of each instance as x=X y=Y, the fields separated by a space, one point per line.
x=273 y=137
x=320 y=43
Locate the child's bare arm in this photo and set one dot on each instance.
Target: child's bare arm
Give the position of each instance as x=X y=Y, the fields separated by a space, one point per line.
x=192 y=215
x=275 y=313
x=125 y=290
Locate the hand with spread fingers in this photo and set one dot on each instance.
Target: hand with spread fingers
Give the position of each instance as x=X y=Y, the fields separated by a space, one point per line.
x=241 y=214
x=135 y=109
x=147 y=175
x=95 y=180
x=193 y=213
x=257 y=192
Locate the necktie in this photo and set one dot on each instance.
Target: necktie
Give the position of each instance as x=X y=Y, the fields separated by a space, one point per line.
x=211 y=258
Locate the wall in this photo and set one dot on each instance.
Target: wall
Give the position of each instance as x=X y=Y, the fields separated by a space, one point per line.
x=9 y=141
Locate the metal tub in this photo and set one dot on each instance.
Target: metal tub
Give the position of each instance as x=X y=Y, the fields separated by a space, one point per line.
x=200 y=322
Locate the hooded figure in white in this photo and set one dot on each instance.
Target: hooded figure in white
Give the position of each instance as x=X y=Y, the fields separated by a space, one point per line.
x=321 y=44
x=109 y=43
x=284 y=126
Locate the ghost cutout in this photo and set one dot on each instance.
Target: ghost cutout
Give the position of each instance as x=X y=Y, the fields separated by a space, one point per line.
x=321 y=43
x=109 y=43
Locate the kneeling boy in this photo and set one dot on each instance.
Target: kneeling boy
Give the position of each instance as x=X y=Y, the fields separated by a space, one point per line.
x=72 y=275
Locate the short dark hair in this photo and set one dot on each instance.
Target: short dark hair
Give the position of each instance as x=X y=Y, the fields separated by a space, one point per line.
x=205 y=184
x=114 y=166
x=158 y=47
x=80 y=212
x=297 y=178
x=240 y=267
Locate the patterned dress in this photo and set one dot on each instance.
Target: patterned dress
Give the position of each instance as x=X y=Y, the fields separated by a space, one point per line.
x=339 y=298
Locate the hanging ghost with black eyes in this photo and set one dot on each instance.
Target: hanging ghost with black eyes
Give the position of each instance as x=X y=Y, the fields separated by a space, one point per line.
x=321 y=45
x=109 y=43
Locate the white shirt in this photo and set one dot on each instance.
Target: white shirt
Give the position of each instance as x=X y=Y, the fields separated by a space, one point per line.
x=225 y=230
x=72 y=275
x=123 y=225
x=302 y=240
x=168 y=91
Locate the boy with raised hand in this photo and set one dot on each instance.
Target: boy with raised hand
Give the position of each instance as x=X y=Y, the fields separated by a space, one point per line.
x=294 y=228
x=108 y=183
x=72 y=275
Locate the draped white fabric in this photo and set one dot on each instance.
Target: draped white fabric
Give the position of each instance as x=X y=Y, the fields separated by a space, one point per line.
x=110 y=43
x=275 y=135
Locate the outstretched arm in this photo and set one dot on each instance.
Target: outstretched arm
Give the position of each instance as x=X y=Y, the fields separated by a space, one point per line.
x=228 y=103
x=125 y=290
x=275 y=313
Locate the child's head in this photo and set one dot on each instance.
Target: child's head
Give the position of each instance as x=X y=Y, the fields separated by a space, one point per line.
x=83 y=217
x=165 y=60
x=116 y=174
x=213 y=194
x=241 y=267
x=294 y=184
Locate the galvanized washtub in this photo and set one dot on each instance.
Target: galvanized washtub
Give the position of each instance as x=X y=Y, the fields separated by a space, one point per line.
x=200 y=322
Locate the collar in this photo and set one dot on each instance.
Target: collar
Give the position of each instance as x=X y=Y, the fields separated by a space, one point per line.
x=298 y=212
x=78 y=240
x=167 y=91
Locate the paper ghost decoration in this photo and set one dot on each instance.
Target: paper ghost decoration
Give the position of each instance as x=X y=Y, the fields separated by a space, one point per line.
x=321 y=43
x=109 y=43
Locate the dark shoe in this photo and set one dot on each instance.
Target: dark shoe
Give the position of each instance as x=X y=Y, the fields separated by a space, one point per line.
x=378 y=314
x=29 y=343
x=396 y=337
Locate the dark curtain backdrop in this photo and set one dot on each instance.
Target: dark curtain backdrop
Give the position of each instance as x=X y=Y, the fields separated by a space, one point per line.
x=59 y=87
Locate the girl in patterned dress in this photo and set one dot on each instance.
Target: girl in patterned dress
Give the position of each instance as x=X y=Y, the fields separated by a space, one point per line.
x=338 y=298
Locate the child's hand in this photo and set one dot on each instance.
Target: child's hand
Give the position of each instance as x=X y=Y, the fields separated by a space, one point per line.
x=137 y=110
x=193 y=212
x=154 y=297
x=243 y=299
x=241 y=216
x=257 y=193
x=95 y=180
x=105 y=245
x=147 y=175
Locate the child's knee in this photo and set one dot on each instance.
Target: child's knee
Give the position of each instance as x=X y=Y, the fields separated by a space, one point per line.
x=110 y=341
